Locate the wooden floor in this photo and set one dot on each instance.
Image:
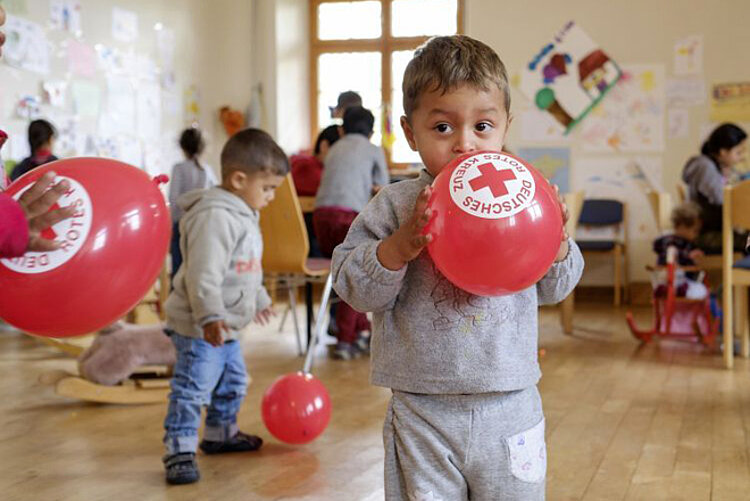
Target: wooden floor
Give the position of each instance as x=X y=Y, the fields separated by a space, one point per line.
x=659 y=422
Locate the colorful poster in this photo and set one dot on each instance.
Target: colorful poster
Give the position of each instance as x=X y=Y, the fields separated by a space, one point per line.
x=65 y=15
x=54 y=93
x=192 y=104
x=554 y=163
x=25 y=45
x=625 y=179
x=81 y=59
x=632 y=116
x=730 y=102
x=685 y=91
x=568 y=76
x=538 y=126
x=688 y=55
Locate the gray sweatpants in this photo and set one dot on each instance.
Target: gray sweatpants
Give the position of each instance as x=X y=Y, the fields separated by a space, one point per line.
x=486 y=446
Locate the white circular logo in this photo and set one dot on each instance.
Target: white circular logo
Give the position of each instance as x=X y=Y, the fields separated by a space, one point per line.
x=492 y=186
x=71 y=233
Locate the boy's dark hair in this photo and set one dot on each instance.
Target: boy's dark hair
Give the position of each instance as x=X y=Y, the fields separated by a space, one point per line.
x=330 y=134
x=444 y=63
x=686 y=215
x=358 y=120
x=40 y=132
x=191 y=142
x=252 y=151
x=724 y=137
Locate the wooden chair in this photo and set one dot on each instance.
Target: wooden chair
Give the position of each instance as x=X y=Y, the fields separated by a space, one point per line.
x=682 y=195
x=736 y=273
x=307 y=204
x=602 y=213
x=661 y=206
x=574 y=201
x=285 y=252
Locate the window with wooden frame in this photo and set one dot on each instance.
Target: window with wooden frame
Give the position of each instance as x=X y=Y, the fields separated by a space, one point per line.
x=364 y=46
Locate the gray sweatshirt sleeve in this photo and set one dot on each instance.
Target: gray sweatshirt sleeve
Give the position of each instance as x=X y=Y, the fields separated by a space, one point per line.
x=358 y=277
x=562 y=277
x=263 y=300
x=380 y=175
x=708 y=181
x=175 y=190
x=209 y=247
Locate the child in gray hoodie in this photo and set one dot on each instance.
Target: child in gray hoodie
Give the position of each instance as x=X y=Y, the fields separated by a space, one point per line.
x=218 y=291
x=466 y=416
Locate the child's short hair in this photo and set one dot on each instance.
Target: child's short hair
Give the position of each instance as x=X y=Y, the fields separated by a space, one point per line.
x=191 y=142
x=40 y=132
x=330 y=134
x=444 y=63
x=686 y=215
x=358 y=120
x=251 y=151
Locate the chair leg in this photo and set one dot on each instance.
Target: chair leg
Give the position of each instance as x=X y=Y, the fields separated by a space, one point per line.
x=728 y=321
x=618 y=282
x=625 y=279
x=567 y=308
x=319 y=324
x=293 y=307
x=742 y=323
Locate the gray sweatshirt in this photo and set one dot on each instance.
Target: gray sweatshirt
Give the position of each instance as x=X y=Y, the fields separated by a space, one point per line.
x=221 y=276
x=353 y=165
x=187 y=176
x=429 y=336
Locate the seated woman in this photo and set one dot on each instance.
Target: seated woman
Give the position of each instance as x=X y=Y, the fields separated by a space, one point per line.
x=41 y=137
x=707 y=174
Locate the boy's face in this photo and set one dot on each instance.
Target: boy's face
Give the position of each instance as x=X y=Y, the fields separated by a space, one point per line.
x=460 y=121
x=256 y=190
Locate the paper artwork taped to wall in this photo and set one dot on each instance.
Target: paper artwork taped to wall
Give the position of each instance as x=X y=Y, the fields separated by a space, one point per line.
x=25 y=45
x=569 y=76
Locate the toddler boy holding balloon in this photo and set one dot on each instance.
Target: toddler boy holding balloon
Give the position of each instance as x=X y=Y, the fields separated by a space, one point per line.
x=218 y=291
x=465 y=415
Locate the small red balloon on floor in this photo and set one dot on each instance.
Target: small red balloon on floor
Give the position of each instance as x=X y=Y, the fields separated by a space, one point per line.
x=296 y=408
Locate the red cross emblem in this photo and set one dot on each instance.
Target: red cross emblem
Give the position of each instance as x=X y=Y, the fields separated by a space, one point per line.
x=493 y=179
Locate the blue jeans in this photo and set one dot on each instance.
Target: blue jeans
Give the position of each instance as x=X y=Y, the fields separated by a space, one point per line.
x=174 y=249
x=204 y=375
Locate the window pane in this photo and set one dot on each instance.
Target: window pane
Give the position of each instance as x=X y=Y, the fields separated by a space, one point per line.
x=357 y=71
x=400 y=153
x=411 y=18
x=349 y=20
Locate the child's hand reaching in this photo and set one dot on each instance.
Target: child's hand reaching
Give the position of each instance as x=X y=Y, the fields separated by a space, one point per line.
x=36 y=202
x=213 y=332
x=408 y=241
x=264 y=316
x=697 y=256
x=563 y=251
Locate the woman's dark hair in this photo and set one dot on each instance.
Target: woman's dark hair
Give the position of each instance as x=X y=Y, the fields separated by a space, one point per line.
x=191 y=142
x=40 y=132
x=724 y=137
x=330 y=134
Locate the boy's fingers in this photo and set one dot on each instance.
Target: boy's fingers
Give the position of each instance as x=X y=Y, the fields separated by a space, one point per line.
x=41 y=204
x=37 y=189
x=38 y=244
x=48 y=219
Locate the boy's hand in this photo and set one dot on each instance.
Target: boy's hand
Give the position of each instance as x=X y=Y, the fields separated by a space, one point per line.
x=697 y=256
x=408 y=241
x=563 y=250
x=213 y=332
x=36 y=202
x=264 y=316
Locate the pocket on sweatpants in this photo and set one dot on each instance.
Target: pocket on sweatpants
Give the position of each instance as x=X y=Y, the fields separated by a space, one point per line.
x=528 y=454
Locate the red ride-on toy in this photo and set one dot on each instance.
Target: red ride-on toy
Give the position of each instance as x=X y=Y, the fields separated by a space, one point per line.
x=677 y=317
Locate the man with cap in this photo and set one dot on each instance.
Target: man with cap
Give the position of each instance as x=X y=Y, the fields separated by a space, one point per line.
x=346 y=100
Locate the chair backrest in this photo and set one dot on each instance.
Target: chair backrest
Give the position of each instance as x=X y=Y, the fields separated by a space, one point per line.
x=737 y=206
x=601 y=212
x=574 y=201
x=661 y=206
x=285 y=243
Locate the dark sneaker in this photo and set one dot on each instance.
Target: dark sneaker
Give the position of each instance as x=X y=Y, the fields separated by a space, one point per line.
x=344 y=351
x=363 y=343
x=181 y=468
x=240 y=442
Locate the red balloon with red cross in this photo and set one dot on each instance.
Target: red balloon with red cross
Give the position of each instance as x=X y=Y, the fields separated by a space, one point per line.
x=496 y=223
x=111 y=250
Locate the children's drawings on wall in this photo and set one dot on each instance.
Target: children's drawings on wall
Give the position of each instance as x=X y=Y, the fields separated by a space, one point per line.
x=632 y=116
x=124 y=25
x=554 y=163
x=730 y=102
x=119 y=116
x=625 y=179
x=688 y=55
x=54 y=93
x=28 y=107
x=678 y=123
x=86 y=97
x=685 y=91
x=538 y=126
x=568 y=76
x=65 y=15
x=148 y=110
x=81 y=59
x=192 y=104
x=26 y=45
